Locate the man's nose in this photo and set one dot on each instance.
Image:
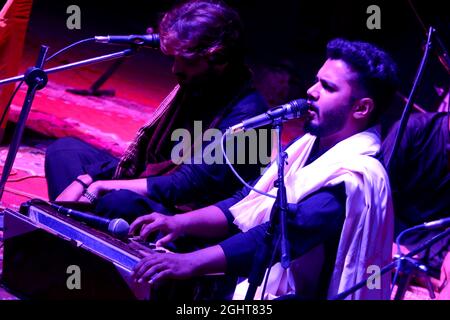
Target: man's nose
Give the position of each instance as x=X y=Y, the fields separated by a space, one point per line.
x=313 y=93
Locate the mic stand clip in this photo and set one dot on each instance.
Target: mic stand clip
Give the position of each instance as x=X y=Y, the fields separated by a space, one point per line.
x=408 y=267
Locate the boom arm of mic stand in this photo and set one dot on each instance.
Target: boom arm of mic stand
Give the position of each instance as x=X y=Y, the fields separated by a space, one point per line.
x=36 y=79
x=106 y=57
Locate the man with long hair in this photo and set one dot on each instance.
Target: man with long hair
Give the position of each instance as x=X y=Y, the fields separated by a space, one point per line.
x=205 y=40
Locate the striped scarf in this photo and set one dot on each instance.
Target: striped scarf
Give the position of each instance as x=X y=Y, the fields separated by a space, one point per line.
x=133 y=161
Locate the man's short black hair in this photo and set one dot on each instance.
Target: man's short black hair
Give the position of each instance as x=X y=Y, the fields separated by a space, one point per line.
x=376 y=71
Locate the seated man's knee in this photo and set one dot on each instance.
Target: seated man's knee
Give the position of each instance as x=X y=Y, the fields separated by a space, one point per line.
x=62 y=145
x=122 y=204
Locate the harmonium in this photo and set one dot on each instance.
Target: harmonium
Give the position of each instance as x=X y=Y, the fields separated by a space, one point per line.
x=49 y=255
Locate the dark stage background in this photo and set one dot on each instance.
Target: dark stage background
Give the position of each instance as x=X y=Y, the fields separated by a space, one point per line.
x=288 y=33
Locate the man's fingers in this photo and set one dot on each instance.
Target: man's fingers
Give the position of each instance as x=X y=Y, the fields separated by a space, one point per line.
x=149 y=228
x=143 y=265
x=134 y=225
x=150 y=273
x=140 y=221
x=166 y=239
x=159 y=276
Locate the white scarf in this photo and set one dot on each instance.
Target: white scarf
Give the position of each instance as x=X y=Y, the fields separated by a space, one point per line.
x=366 y=238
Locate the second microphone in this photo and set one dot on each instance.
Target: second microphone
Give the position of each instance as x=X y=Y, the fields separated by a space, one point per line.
x=291 y=110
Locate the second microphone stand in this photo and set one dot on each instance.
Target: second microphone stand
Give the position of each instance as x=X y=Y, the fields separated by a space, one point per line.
x=278 y=217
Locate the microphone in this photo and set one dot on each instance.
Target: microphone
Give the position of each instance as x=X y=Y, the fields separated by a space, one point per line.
x=441 y=223
x=117 y=227
x=146 y=40
x=291 y=110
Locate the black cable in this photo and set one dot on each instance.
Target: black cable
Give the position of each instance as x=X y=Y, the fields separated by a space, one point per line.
x=398 y=240
x=69 y=47
x=10 y=101
x=230 y=165
x=407 y=109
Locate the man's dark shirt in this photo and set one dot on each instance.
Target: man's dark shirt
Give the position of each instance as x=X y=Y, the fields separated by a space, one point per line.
x=208 y=183
x=199 y=185
x=419 y=173
x=420 y=181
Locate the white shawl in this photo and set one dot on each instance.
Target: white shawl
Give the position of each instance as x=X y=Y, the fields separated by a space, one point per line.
x=366 y=239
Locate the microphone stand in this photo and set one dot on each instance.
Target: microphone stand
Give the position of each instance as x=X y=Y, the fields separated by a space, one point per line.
x=398 y=260
x=441 y=51
x=278 y=215
x=408 y=107
x=94 y=90
x=36 y=79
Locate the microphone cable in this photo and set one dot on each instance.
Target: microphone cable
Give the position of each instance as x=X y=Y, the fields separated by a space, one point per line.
x=69 y=47
x=400 y=255
x=236 y=173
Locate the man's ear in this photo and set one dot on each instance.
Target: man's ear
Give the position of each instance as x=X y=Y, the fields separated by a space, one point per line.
x=363 y=108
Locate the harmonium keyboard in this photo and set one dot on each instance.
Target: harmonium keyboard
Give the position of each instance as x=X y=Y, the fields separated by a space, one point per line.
x=48 y=255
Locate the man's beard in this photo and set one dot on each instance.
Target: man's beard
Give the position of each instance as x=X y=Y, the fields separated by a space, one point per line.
x=329 y=123
x=205 y=81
